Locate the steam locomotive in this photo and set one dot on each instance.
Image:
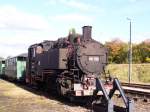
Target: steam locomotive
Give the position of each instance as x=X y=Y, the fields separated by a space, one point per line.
x=69 y=65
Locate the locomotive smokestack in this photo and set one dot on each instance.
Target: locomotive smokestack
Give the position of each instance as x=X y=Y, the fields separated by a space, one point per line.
x=87 y=30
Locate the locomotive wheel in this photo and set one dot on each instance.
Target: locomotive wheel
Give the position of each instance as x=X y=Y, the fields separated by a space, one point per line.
x=71 y=99
x=58 y=86
x=40 y=85
x=50 y=86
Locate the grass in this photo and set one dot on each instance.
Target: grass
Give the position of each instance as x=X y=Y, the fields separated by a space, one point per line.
x=140 y=72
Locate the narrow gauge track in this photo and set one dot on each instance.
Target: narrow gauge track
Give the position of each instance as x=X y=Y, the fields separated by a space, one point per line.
x=137 y=91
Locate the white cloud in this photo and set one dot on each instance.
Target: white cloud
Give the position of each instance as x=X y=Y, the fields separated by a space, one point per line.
x=17 y=42
x=140 y=36
x=137 y=37
x=18 y=30
x=132 y=1
x=72 y=18
x=6 y=51
x=11 y=18
x=77 y=4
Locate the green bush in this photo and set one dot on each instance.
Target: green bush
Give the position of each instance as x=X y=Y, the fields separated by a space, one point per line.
x=147 y=60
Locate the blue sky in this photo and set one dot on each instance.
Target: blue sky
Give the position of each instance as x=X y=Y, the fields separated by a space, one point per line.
x=24 y=22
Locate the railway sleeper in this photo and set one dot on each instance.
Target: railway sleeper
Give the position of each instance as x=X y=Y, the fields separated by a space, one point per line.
x=106 y=104
x=137 y=96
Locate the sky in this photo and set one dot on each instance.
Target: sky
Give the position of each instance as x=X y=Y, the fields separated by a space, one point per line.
x=25 y=22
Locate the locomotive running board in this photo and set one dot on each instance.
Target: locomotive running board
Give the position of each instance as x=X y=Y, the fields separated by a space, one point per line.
x=107 y=105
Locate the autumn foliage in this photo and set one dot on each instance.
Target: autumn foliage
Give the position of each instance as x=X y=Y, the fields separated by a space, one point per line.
x=119 y=50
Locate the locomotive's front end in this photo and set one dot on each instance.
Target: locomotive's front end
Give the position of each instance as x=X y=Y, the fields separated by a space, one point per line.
x=91 y=59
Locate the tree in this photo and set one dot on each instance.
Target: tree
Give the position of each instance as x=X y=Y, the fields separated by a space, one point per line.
x=141 y=52
x=117 y=51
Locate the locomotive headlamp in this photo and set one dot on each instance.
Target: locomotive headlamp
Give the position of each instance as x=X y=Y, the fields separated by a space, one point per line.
x=93 y=58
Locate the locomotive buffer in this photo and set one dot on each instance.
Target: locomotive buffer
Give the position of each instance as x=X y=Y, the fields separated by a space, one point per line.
x=106 y=105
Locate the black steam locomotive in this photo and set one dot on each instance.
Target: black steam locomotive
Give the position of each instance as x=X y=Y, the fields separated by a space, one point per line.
x=69 y=65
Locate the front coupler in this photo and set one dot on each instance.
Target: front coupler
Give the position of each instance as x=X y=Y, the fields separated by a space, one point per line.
x=106 y=103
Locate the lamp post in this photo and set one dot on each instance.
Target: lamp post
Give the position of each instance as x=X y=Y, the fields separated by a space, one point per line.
x=130 y=54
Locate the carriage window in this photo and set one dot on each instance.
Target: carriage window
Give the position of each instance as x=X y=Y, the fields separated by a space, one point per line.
x=94 y=58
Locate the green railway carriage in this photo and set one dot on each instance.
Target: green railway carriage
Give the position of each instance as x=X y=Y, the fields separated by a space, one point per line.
x=2 y=68
x=16 y=68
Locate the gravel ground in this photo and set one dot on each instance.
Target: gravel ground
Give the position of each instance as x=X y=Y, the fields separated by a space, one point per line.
x=139 y=105
x=15 y=98
x=18 y=99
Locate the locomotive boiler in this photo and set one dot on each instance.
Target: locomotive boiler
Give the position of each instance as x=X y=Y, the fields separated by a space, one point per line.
x=68 y=66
